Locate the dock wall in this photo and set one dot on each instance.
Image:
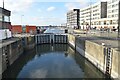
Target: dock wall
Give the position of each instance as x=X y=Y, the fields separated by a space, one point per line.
x=10 y=51
x=97 y=54
x=0 y=64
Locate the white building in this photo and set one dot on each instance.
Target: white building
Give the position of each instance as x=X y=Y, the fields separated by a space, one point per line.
x=93 y=15
x=112 y=13
x=5 y=24
x=103 y=15
x=73 y=18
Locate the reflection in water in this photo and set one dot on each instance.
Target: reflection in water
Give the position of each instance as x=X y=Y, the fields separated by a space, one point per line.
x=66 y=54
x=59 y=61
x=14 y=70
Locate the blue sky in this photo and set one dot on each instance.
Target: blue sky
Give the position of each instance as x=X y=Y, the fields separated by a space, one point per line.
x=42 y=12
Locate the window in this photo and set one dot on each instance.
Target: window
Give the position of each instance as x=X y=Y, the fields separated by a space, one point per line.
x=104 y=22
x=107 y=23
x=116 y=15
x=0 y=17
x=110 y=21
x=115 y=21
x=6 y=19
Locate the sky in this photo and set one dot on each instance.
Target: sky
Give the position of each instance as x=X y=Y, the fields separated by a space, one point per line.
x=42 y=12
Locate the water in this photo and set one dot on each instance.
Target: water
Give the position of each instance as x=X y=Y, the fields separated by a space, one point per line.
x=57 y=61
x=55 y=30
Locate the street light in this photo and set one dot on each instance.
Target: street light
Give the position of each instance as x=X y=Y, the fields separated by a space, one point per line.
x=21 y=19
x=90 y=14
x=119 y=19
x=3 y=4
x=3 y=16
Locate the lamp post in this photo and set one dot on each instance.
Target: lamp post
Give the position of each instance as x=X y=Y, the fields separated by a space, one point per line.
x=119 y=19
x=21 y=18
x=3 y=4
x=90 y=14
x=3 y=16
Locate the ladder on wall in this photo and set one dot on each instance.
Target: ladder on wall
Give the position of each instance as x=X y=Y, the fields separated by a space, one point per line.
x=108 y=62
x=6 y=56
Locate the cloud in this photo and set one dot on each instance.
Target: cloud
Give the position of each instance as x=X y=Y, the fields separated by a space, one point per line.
x=81 y=3
x=47 y=20
x=105 y=0
x=16 y=6
x=39 y=73
x=70 y=6
x=77 y=4
x=51 y=8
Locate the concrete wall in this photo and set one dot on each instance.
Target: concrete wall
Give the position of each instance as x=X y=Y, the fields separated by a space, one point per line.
x=11 y=49
x=10 y=52
x=0 y=63
x=71 y=39
x=28 y=42
x=115 y=63
x=96 y=54
x=16 y=49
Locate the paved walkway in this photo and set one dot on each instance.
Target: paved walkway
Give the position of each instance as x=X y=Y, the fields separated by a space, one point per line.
x=8 y=41
x=111 y=39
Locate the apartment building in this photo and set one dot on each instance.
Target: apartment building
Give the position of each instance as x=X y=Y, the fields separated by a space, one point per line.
x=100 y=15
x=73 y=18
x=93 y=15
x=112 y=13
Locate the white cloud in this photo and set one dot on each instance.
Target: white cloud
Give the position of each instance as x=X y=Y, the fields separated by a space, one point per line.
x=77 y=4
x=81 y=3
x=70 y=6
x=47 y=20
x=17 y=6
x=105 y=0
x=39 y=73
x=51 y=8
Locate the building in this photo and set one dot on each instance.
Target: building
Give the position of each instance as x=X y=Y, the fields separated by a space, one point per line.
x=18 y=29
x=100 y=15
x=31 y=29
x=93 y=15
x=73 y=18
x=63 y=25
x=5 y=24
x=112 y=14
x=5 y=19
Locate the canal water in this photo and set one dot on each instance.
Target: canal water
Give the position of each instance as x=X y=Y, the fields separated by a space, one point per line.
x=52 y=61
